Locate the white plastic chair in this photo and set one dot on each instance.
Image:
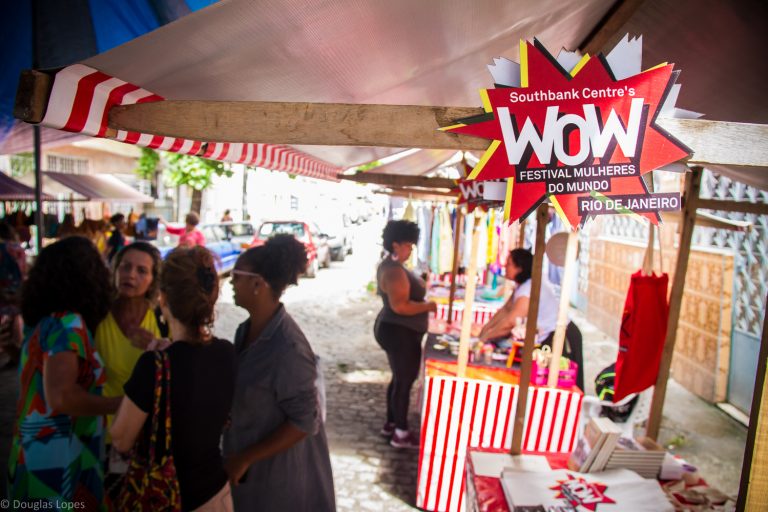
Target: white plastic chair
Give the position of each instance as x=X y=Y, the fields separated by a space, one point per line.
x=591 y=407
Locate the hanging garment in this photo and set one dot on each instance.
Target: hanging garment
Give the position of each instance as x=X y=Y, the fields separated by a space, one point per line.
x=434 y=254
x=469 y=220
x=445 y=261
x=424 y=220
x=642 y=335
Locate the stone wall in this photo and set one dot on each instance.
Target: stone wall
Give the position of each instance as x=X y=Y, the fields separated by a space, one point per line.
x=702 y=349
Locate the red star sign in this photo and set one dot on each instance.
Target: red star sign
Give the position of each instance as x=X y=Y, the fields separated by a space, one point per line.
x=579 y=137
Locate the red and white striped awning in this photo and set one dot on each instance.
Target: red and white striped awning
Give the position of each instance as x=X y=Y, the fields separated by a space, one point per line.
x=82 y=96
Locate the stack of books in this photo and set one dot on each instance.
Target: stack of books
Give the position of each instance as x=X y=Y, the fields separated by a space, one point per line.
x=643 y=456
x=596 y=446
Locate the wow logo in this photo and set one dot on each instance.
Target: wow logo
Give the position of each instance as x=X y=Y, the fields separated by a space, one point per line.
x=579 y=492
x=576 y=131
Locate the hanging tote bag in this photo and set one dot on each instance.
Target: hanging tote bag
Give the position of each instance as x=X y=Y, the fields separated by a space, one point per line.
x=642 y=335
x=151 y=485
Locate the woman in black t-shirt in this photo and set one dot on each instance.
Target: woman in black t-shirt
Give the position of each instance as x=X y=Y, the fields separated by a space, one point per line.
x=202 y=383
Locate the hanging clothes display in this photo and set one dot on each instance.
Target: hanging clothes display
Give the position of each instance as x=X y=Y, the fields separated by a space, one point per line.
x=445 y=259
x=424 y=220
x=434 y=250
x=642 y=335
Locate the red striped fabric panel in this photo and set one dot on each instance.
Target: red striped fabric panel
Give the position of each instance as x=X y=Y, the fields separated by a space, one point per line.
x=461 y=413
x=81 y=98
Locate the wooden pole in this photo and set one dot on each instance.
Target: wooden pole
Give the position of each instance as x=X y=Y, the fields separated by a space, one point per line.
x=692 y=185
x=455 y=269
x=569 y=276
x=521 y=234
x=398 y=180
x=469 y=298
x=753 y=487
x=542 y=216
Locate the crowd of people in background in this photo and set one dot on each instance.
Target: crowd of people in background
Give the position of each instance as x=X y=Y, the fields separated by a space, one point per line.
x=123 y=383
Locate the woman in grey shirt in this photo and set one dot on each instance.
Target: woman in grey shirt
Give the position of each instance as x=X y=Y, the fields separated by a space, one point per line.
x=276 y=450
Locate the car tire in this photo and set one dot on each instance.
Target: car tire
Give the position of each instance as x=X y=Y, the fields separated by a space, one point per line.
x=341 y=256
x=312 y=269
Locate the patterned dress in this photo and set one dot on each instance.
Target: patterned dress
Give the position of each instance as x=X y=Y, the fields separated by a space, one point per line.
x=56 y=457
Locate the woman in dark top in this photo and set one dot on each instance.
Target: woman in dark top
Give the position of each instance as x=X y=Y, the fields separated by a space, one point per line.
x=276 y=449
x=400 y=326
x=202 y=382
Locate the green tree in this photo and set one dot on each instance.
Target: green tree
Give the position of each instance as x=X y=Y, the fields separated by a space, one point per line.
x=147 y=164
x=194 y=172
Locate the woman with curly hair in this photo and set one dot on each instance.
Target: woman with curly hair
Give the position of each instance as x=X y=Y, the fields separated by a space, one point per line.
x=400 y=326
x=202 y=382
x=57 y=447
x=276 y=450
x=130 y=325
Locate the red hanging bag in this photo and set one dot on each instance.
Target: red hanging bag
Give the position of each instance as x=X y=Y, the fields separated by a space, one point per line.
x=642 y=335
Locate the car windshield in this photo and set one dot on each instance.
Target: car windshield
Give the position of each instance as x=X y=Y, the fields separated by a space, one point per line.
x=239 y=229
x=270 y=229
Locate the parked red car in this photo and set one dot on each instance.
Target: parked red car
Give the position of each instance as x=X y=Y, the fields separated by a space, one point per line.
x=315 y=242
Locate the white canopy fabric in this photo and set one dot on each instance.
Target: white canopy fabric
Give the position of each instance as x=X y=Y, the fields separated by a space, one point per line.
x=432 y=52
x=428 y=52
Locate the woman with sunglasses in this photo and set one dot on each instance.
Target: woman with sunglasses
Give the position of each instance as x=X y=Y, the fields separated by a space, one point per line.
x=276 y=450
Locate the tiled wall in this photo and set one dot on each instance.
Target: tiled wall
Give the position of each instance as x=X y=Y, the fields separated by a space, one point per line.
x=702 y=350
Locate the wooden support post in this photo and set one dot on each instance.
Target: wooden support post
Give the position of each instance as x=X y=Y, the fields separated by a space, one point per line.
x=753 y=488
x=521 y=234
x=455 y=269
x=569 y=276
x=692 y=185
x=542 y=217
x=469 y=298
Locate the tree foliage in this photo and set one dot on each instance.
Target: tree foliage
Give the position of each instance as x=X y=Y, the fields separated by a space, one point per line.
x=147 y=164
x=193 y=171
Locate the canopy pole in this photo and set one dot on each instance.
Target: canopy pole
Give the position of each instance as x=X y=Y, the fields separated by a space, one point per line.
x=469 y=299
x=753 y=486
x=692 y=185
x=521 y=234
x=38 y=189
x=542 y=216
x=569 y=275
x=455 y=269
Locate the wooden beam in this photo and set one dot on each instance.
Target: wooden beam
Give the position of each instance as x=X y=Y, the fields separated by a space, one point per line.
x=469 y=297
x=732 y=206
x=606 y=29
x=337 y=124
x=692 y=185
x=32 y=96
x=558 y=340
x=424 y=196
x=398 y=180
x=707 y=220
x=542 y=219
x=753 y=487
x=333 y=124
x=419 y=190
x=721 y=142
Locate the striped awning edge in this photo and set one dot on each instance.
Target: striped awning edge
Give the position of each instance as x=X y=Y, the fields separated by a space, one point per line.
x=82 y=96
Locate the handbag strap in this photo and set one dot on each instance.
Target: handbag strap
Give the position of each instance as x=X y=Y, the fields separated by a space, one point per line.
x=162 y=380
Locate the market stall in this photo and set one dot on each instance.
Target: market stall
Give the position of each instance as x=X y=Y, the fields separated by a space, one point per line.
x=394 y=126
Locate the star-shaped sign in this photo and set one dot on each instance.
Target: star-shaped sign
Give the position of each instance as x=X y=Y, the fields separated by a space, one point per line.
x=579 y=492
x=580 y=137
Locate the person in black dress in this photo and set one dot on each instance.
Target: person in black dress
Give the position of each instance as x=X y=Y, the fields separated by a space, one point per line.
x=202 y=382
